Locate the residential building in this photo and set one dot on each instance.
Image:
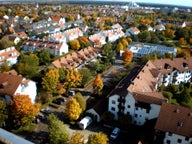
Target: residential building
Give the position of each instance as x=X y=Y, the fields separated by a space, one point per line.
x=141 y=49
x=76 y=59
x=97 y=40
x=159 y=27
x=113 y=35
x=174 y=122
x=133 y=31
x=72 y=34
x=11 y=85
x=137 y=94
x=54 y=47
x=9 y=55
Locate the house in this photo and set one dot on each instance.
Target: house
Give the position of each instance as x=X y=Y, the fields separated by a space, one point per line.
x=98 y=109
x=117 y=26
x=72 y=34
x=54 y=47
x=97 y=40
x=133 y=31
x=137 y=93
x=59 y=36
x=159 y=27
x=11 y=85
x=56 y=20
x=9 y=55
x=174 y=122
x=76 y=59
x=141 y=49
x=112 y=35
x=15 y=39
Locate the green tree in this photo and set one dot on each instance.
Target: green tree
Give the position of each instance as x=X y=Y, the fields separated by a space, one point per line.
x=98 y=138
x=77 y=138
x=44 y=57
x=50 y=80
x=86 y=74
x=81 y=100
x=98 y=84
x=5 y=67
x=58 y=133
x=62 y=74
x=73 y=79
x=27 y=65
x=73 y=109
x=3 y=112
x=145 y=36
x=5 y=43
x=74 y=44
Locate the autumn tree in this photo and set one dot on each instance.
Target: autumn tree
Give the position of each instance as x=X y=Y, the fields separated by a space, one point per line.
x=120 y=47
x=81 y=100
x=97 y=138
x=98 y=84
x=124 y=42
x=182 y=41
x=62 y=74
x=73 y=109
x=22 y=110
x=74 y=44
x=127 y=56
x=73 y=79
x=5 y=43
x=83 y=41
x=50 y=80
x=3 y=112
x=5 y=67
x=58 y=133
x=169 y=33
x=77 y=138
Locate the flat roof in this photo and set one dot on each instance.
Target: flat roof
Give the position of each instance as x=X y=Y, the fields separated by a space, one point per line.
x=10 y=138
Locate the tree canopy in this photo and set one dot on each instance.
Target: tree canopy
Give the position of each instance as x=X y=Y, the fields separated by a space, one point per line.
x=77 y=138
x=73 y=109
x=98 y=138
x=58 y=133
x=98 y=84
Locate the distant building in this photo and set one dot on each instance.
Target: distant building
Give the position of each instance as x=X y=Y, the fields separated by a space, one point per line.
x=133 y=31
x=141 y=49
x=9 y=55
x=54 y=47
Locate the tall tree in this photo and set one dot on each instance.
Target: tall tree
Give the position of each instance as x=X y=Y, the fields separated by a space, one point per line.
x=83 y=41
x=3 y=112
x=81 y=100
x=50 y=80
x=22 y=110
x=44 y=57
x=73 y=79
x=127 y=56
x=74 y=44
x=73 y=109
x=98 y=138
x=58 y=133
x=77 y=138
x=98 y=84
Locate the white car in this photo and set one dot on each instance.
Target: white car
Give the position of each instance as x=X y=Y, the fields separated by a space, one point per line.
x=115 y=133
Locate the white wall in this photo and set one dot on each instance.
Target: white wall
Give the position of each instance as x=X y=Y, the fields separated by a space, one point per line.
x=113 y=106
x=173 y=138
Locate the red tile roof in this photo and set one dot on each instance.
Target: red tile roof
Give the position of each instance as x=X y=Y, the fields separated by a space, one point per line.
x=175 y=119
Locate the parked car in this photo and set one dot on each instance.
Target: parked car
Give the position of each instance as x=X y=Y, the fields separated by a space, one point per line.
x=41 y=116
x=46 y=110
x=85 y=122
x=115 y=133
x=59 y=101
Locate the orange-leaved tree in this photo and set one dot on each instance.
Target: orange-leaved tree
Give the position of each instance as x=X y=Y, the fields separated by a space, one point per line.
x=127 y=56
x=74 y=44
x=22 y=110
x=98 y=84
x=73 y=109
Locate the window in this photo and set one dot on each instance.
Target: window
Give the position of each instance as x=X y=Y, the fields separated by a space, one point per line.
x=128 y=106
x=113 y=101
x=179 y=140
x=135 y=115
x=187 y=138
x=170 y=134
x=168 y=141
x=112 y=108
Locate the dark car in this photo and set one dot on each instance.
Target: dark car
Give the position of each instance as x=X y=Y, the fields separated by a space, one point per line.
x=59 y=101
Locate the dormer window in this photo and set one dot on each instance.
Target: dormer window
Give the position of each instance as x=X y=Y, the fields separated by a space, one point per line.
x=180 y=124
x=167 y=66
x=185 y=65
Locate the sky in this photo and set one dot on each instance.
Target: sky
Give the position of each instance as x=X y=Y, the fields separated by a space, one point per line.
x=172 y=2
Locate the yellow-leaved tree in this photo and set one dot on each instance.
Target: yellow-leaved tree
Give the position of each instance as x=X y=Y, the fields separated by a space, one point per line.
x=77 y=138
x=50 y=80
x=98 y=138
x=97 y=84
x=73 y=79
x=22 y=110
x=73 y=109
